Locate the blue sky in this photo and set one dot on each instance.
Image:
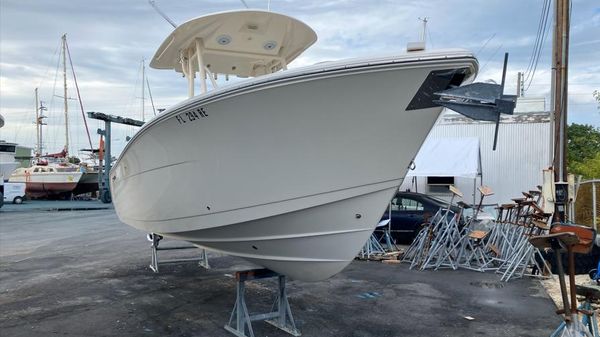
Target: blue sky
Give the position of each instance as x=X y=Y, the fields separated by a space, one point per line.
x=108 y=39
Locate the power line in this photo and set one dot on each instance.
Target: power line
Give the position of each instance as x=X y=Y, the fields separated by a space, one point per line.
x=537 y=39
x=541 y=41
x=491 y=57
x=485 y=44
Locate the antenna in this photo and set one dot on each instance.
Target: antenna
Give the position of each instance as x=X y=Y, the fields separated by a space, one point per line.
x=153 y=4
x=420 y=45
x=245 y=4
x=425 y=19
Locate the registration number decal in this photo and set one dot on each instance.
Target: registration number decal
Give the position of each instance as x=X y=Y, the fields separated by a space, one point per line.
x=191 y=115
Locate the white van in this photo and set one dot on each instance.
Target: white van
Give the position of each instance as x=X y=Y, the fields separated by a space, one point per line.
x=14 y=192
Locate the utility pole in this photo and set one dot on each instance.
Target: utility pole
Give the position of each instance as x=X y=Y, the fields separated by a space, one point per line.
x=560 y=58
x=520 y=88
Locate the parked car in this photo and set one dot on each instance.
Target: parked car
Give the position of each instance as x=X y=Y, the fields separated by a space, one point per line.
x=409 y=211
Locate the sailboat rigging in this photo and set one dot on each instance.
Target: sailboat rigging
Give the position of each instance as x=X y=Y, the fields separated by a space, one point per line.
x=53 y=174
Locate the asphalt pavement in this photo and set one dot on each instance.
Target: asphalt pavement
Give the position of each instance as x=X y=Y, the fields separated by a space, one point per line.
x=84 y=273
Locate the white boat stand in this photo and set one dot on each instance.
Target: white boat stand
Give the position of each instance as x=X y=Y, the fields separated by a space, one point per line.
x=280 y=315
x=155 y=239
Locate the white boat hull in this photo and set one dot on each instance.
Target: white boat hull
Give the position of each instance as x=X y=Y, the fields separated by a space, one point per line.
x=309 y=244
x=292 y=172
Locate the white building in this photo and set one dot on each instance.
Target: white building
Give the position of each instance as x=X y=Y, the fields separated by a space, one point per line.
x=523 y=151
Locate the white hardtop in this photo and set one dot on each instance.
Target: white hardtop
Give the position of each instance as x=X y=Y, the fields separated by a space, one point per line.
x=245 y=43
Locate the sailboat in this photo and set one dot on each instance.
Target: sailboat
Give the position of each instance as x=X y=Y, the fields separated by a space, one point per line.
x=48 y=178
x=51 y=175
x=291 y=168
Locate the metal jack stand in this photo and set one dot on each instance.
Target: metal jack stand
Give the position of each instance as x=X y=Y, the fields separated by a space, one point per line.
x=387 y=232
x=280 y=316
x=418 y=251
x=372 y=246
x=389 y=242
x=590 y=318
x=525 y=257
x=155 y=239
x=572 y=239
x=473 y=252
x=443 y=251
x=526 y=218
x=589 y=321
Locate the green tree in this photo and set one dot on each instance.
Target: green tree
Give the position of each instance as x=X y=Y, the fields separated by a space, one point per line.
x=589 y=169
x=583 y=150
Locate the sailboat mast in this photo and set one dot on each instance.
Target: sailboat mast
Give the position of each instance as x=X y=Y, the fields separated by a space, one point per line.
x=64 y=50
x=37 y=123
x=143 y=88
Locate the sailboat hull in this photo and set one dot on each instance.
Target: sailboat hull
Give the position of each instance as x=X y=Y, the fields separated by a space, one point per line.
x=46 y=184
x=292 y=171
